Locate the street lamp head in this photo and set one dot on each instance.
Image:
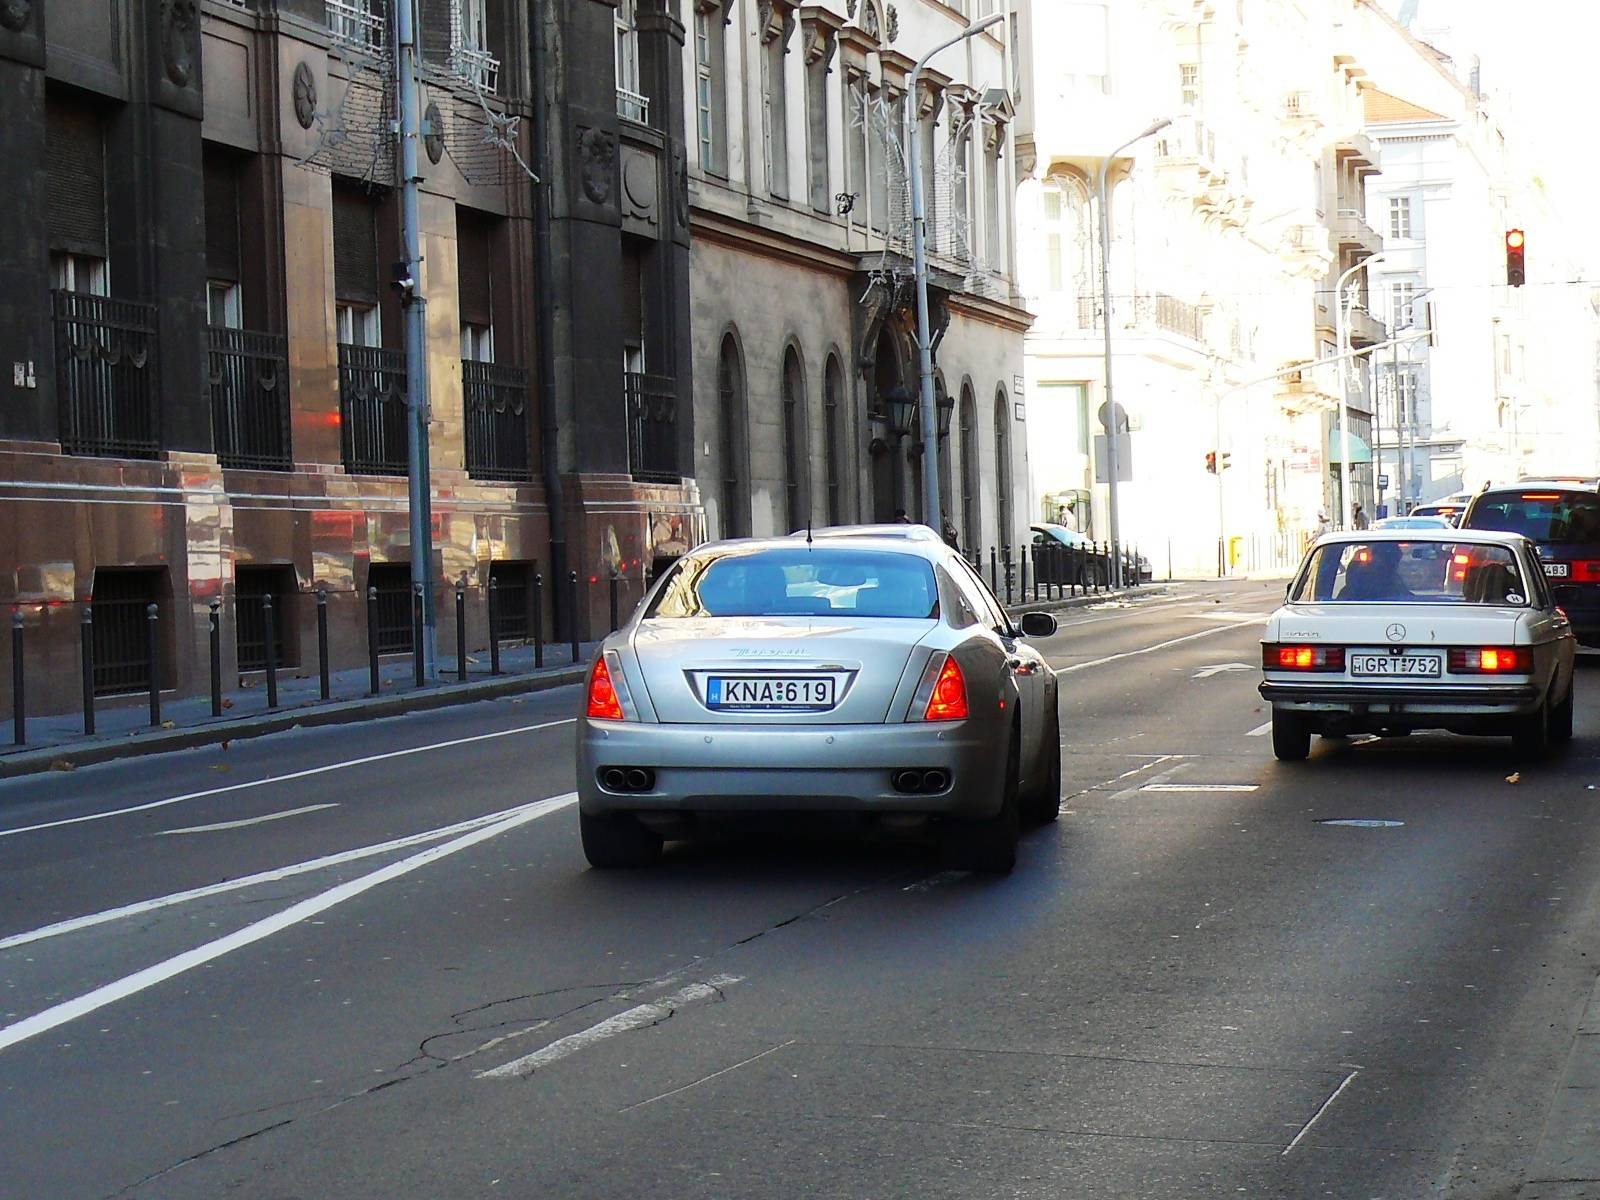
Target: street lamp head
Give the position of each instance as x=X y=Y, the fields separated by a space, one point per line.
x=980 y=26
x=1156 y=127
x=902 y=404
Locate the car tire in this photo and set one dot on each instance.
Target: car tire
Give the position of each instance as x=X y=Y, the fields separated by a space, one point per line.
x=1561 y=718
x=988 y=845
x=616 y=840
x=1291 y=737
x=1044 y=805
x=1531 y=736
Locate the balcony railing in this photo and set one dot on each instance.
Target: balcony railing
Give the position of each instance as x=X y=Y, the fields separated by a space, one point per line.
x=1168 y=313
x=496 y=401
x=372 y=410
x=249 y=378
x=477 y=67
x=106 y=375
x=653 y=426
x=357 y=22
x=633 y=106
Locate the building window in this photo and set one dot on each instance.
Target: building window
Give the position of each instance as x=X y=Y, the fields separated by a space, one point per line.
x=832 y=430
x=222 y=305
x=970 y=532
x=251 y=585
x=857 y=160
x=1189 y=84
x=632 y=104
x=357 y=22
x=1002 y=466
x=775 y=100
x=961 y=188
x=796 y=508
x=710 y=93
x=1400 y=217
x=357 y=324
x=121 y=599
x=730 y=421
x=84 y=273
x=994 y=145
x=392 y=628
x=75 y=216
x=819 y=49
x=1403 y=294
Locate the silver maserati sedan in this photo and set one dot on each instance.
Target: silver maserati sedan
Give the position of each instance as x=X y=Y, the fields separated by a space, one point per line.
x=867 y=676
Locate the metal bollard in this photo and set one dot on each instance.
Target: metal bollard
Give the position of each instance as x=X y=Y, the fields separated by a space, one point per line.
x=461 y=632
x=538 y=621
x=372 y=640
x=494 y=626
x=215 y=632
x=152 y=614
x=572 y=612
x=1005 y=553
x=322 y=642
x=269 y=630
x=994 y=569
x=1022 y=567
x=19 y=702
x=88 y=668
x=613 y=590
x=416 y=633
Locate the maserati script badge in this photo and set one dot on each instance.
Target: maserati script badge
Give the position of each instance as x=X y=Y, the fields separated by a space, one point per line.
x=1395 y=632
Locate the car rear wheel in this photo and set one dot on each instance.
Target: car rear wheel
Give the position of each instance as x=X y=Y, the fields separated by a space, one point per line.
x=1531 y=737
x=1291 y=736
x=1561 y=718
x=617 y=840
x=988 y=845
x=1044 y=805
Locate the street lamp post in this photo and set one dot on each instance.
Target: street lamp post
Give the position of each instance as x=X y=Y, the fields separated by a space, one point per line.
x=1105 y=306
x=919 y=263
x=1342 y=329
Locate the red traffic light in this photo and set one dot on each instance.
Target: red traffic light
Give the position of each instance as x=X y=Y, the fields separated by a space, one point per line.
x=1516 y=272
x=1211 y=461
x=1514 y=239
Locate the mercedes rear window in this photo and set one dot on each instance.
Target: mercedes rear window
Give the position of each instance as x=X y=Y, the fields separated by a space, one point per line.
x=1420 y=572
x=801 y=581
x=1543 y=516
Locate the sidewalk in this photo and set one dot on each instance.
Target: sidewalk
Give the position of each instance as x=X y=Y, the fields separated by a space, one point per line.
x=1566 y=1164
x=122 y=725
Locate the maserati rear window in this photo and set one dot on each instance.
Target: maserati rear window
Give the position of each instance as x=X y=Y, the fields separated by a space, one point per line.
x=797 y=582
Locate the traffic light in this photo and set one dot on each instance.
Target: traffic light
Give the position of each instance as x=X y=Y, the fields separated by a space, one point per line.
x=1211 y=461
x=1516 y=275
x=1225 y=464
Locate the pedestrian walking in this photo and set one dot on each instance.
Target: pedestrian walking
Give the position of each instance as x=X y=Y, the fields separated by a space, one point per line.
x=1358 y=517
x=1323 y=525
x=948 y=532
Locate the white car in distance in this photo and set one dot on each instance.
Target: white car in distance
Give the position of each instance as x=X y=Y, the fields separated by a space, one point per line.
x=1388 y=631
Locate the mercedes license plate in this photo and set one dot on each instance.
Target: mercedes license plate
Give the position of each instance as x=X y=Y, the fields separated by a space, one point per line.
x=1396 y=664
x=770 y=692
x=1556 y=570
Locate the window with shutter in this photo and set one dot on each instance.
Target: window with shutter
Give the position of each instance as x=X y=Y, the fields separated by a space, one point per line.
x=75 y=151
x=222 y=216
x=474 y=241
x=355 y=245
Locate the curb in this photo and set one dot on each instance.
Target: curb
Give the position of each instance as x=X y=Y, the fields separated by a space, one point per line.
x=1086 y=601
x=340 y=712
x=1566 y=1163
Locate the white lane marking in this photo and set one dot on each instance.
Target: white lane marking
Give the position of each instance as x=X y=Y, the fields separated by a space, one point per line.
x=1100 y=662
x=73 y=924
x=1326 y=1105
x=1199 y=787
x=1133 y=789
x=238 y=787
x=277 y=816
x=129 y=985
x=637 y=1017
x=1220 y=668
x=745 y=1062
x=1260 y=730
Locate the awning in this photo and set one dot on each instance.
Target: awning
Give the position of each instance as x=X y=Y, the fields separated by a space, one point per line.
x=1360 y=452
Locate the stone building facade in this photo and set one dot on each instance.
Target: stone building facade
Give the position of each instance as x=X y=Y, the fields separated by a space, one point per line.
x=201 y=323
x=804 y=310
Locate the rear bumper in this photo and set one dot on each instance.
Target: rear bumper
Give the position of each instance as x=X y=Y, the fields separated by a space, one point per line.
x=781 y=769
x=1405 y=705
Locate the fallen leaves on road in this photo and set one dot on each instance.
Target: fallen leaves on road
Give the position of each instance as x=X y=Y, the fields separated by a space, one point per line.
x=224 y=745
x=227 y=704
x=169 y=724
x=62 y=764
x=1514 y=777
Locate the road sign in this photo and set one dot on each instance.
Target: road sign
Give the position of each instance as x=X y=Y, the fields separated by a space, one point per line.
x=1102 y=469
x=1383 y=481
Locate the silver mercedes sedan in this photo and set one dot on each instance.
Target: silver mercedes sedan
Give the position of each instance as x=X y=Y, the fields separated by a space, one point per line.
x=870 y=676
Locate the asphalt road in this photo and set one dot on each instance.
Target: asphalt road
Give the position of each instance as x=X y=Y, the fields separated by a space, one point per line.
x=370 y=962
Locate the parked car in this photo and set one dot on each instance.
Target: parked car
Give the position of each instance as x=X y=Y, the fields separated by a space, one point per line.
x=1562 y=519
x=1390 y=631
x=869 y=676
x=1071 y=557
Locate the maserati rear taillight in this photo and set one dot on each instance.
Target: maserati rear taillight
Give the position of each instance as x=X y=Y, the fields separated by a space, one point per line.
x=604 y=704
x=949 y=699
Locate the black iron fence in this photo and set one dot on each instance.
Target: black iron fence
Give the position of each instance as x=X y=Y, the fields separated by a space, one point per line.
x=372 y=410
x=249 y=378
x=1052 y=570
x=496 y=402
x=106 y=375
x=653 y=426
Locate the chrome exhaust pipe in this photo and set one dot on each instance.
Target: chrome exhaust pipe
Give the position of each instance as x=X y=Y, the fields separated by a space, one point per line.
x=639 y=779
x=907 y=781
x=935 y=781
x=614 y=779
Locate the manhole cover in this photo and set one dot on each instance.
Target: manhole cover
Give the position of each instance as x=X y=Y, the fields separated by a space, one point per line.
x=1360 y=822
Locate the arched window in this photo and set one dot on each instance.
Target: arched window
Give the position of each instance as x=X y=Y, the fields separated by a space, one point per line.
x=971 y=535
x=796 y=509
x=1002 y=466
x=832 y=431
x=731 y=428
x=1065 y=225
x=946 y=497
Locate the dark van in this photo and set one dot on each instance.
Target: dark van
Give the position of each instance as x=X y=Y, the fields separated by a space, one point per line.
x=1562 y=519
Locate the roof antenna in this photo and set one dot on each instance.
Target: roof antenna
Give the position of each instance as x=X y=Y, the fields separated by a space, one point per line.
x=808 y=533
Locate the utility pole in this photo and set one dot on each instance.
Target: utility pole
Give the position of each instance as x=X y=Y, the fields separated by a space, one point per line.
x=409 y=280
